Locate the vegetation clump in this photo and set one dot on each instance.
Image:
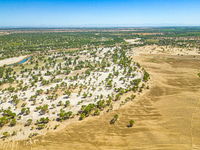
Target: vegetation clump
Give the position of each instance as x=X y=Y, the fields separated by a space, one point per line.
x=131 y=123
x=114 y=119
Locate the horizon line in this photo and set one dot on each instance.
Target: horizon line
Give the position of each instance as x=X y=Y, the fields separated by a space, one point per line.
x=99 y=26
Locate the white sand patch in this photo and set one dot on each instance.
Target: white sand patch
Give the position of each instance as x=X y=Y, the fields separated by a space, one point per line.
x=12 y=60
x=133 y=41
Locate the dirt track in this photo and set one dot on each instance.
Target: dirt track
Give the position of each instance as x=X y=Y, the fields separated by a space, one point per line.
x=166 y=117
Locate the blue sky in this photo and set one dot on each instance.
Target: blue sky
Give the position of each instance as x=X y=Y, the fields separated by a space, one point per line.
x=96 y=13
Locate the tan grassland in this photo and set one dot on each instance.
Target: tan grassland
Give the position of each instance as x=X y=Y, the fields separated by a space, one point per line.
x=154 y=49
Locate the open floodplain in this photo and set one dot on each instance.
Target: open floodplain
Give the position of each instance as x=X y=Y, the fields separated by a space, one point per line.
x=67 y=99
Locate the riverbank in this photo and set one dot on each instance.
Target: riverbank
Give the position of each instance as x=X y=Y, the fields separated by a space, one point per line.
x=13 y=60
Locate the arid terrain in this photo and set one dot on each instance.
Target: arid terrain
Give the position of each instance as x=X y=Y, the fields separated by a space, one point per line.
x=166 y=116
x=106 y=88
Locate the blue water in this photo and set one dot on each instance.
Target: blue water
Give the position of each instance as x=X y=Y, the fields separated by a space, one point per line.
x=23 y=61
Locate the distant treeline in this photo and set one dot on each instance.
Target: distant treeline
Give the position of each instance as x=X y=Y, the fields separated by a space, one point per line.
x=16 y=44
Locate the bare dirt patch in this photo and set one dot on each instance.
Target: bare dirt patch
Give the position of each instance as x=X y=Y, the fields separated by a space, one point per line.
x=3 y=86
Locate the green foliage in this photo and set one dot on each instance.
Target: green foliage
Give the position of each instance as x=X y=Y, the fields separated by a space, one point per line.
x=6 y=134
x=135 y=82
x=118 y=97
x=39 y=92
x=87 y=72
x=116 y=116
x=25 y=110
x=88 y=109
x=68 y=93
x=133 y=96
x=9 y=113
x=138 y=65
x=29 y=121
x=96 y=112
x=66 y=115
x=146 y=76
x=131 y=123
x=56 y=126
x=4 y=120
x=41 y=126
x=114 y=119
x=44 y=120
x=32 y=135
x=14 y=133
x=45 y=108
x=84 y=95
x=1 y=72
x=67 y=103
x=82 y=116
x=13 y=122
x=101 y=104
x=23 y=105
